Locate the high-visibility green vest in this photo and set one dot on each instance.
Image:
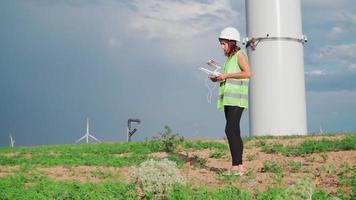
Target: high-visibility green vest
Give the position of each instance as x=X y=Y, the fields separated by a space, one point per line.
x=233 y=91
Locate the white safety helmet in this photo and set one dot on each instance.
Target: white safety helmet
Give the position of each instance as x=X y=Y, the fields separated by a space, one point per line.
x=230 y=33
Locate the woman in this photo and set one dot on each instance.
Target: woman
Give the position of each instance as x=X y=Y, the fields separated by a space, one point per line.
x=233 y=92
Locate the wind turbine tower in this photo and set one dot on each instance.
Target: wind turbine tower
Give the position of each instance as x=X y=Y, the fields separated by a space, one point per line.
x=277 y=86
x=12 y=141
x=87 y=135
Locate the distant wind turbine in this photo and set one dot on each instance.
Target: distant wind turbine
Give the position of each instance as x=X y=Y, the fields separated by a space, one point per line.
x=321 y=129
x=12 y=141
x=87 y=135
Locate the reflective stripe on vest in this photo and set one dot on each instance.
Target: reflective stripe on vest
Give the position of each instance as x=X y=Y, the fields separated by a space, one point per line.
x=237 y=82
x=234 y=95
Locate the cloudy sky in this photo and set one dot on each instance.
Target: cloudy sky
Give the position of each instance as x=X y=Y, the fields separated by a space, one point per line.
x=109 y=60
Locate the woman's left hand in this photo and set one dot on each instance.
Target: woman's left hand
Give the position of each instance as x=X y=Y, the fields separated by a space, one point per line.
x=221 y=77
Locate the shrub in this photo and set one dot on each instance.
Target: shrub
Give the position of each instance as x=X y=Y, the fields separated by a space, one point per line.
x=157 y=177
x=168 y=140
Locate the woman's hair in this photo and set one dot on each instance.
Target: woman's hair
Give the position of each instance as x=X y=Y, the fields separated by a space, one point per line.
x=233 y=48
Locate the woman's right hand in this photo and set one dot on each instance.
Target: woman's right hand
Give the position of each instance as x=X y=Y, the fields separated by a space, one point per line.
x=213 y=78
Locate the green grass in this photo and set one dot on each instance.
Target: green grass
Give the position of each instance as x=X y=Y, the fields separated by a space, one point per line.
x=177 y=159
x=199 y=145
x=23 y=187
x=227 y=193
x=97 y=154
x=28 y=183
x=82 y=154
x=313 y=146
x=217 y=154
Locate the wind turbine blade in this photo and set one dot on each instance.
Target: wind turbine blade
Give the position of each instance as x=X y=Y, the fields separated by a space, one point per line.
x=80 y=139
x=12 y=141
x=87 y=125
x=94 y=138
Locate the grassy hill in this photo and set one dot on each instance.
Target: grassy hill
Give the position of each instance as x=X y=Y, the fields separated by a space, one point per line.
x=293 y=167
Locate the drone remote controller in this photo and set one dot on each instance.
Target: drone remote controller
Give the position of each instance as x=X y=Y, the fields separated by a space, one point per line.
x=210 y=73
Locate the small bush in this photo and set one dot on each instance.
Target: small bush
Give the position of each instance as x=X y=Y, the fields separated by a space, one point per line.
x=168 y=141
x=157 y=178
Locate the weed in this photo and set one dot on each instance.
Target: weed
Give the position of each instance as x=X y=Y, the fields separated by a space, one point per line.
x=345 y=167
x=304 y=189
x=199 y=162
x=250 y=174
x=331 y=169
x=275 y=148
x=230 y=178
x=260 y=143
x=310 y=159
x=217 y=154
x=324 y=156
x=271 y=166
x=278 y=179
x=295 y=166
x=168 y=141
x=251 y=156
x=306 y=170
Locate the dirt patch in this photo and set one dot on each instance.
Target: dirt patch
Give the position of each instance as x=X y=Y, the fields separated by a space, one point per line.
x=160 y=154
x=28 y=156
x=121 y=155
x=7 y=170
x=92 y=174
x=198 y=177
x=323 y=168
x=9 y=155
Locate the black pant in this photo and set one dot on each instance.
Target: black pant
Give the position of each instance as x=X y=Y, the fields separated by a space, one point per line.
x=232 y=131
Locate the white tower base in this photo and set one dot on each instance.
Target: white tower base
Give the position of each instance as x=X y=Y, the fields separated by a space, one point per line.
x=277 y=89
